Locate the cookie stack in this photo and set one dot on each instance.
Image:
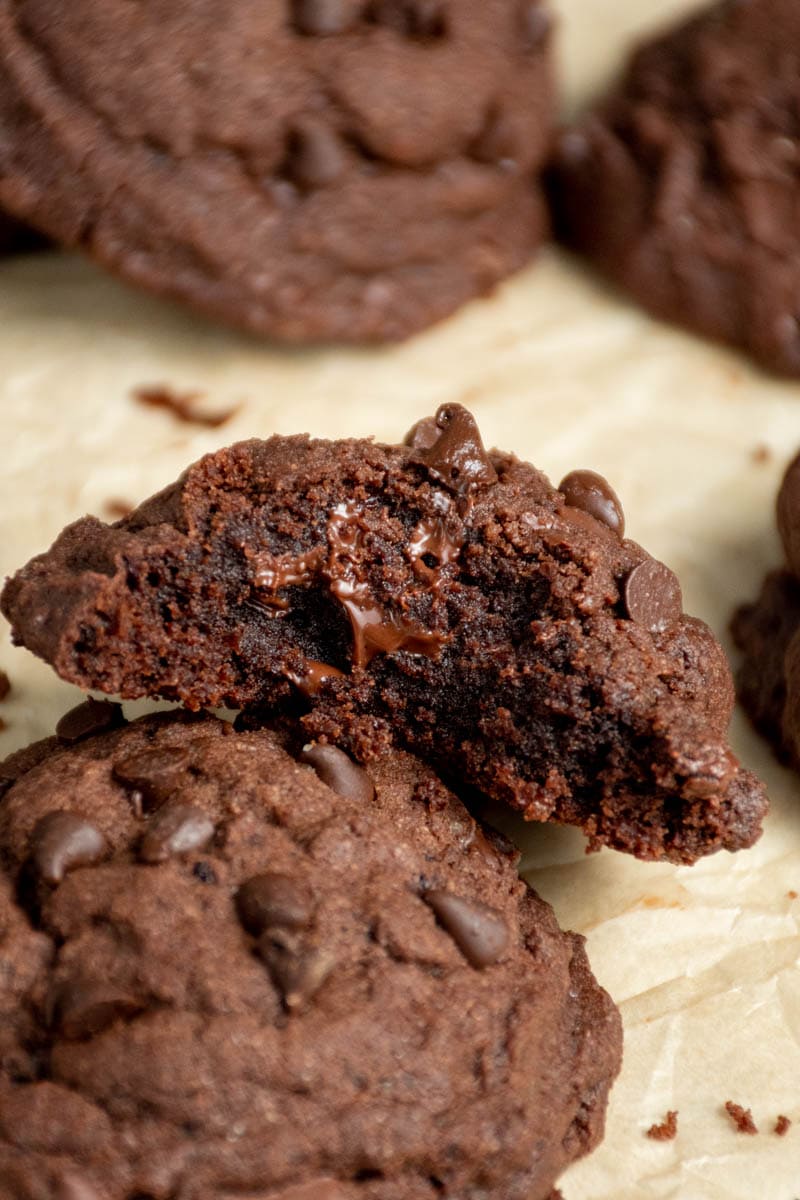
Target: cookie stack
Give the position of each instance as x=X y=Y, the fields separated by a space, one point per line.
x=280 y=958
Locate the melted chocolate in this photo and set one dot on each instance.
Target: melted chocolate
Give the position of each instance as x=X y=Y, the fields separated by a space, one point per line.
x=457 y=457
x=430 y=538
x=313 y=676
x=273 y=573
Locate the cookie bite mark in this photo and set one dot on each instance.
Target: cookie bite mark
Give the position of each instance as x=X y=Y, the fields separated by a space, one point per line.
x=266 y=928
x=436 y=594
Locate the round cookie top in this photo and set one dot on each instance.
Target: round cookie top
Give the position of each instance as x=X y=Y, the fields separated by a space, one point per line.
x=244 y=967
x=313 y=169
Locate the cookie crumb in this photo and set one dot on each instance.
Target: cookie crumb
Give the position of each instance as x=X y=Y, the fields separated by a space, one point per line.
x=666 y=1131
x=782 y=1125
x=119 y=508
x=761 y=454
x=741 y=1117
x=792 y=895
x=183 y=406
x=5 y=685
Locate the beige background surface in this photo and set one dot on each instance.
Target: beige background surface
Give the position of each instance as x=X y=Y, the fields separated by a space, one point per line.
x=702 y=961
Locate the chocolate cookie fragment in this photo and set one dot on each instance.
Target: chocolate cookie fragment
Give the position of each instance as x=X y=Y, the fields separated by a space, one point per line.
x=682 y=183
x=300 y=1017
x=768 y=633
x=434 y=594
x=325 y=169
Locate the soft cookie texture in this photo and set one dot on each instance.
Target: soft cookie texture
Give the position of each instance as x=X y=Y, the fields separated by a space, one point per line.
x=682 y=184
x=768 y=630
x=432 y=594
x=309 y=169
x=231 y=967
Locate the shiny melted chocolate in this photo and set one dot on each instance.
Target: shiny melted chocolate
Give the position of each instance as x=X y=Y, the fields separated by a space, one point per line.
x=456 y=457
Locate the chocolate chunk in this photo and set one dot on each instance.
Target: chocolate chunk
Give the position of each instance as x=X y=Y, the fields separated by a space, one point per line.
x=175 y=830
x=317 y=156
x=89 y=718
x=273 y=900
x=321 y=17
x=479 y=931
x=412 y=18
x=339 y=772
x=298 y=969
x=592 y=494
x=5 y=685
x=85 y=1007
x=314 y=675
x=653 y=596
x=62 y=842
x=457 y=457
x=152 y=776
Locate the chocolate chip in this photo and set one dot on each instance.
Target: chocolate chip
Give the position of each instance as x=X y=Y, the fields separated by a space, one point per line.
x=653 y=596
x=62 y=841
x=204 y=872
x=153 y=775
x=316 y=156
x=298 y=970
x=87 y=719
x=274 y=900
x=412 y=18
x=592 y=494
x=339 y=772
x=321 y=17
x=5 y=685
x=480 y=932
x=423 y=435
x=83 y=1008
x=458 y=457
x=175 y=830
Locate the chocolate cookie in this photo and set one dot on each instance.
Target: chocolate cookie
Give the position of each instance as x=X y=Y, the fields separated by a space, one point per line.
x=767 y=631
x=682 y=184
x=430 y=593
x=321 y=169
x=234 y=967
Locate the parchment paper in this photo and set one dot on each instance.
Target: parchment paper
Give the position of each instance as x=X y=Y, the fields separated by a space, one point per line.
x=703 y=961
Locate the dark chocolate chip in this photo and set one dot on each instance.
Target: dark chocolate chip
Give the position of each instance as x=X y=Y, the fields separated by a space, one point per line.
x=63 y=841
x=274 y=900
x=87 y=719
x=653 y=596
x=592 y=494
x=458 y=457
x=316 y=156
x=321 y=17
x=5 y=685
x=154 y=774
x=480 y=932
x=423 y=435
x=175 y=830
x=83 y=1008
x=339 y=772
x=298 y=970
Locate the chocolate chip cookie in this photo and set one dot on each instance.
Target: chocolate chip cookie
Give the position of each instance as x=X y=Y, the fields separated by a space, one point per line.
x=682 y=184
x=233 y=965
x=432 y=594
x=767 y=632
x=316 y=169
